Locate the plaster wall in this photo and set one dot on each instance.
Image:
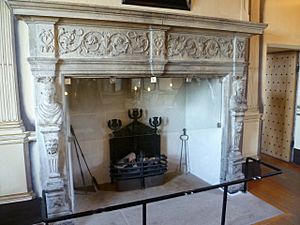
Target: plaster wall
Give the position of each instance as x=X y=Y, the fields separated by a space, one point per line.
x=12 y=170
x=283 y=19
x=231 y=9
x=252 y=115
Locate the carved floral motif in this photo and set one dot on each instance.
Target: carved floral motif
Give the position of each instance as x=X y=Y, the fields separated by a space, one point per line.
x=158 y=40
x=103 y=43
x=47 y=41
x=240 y=49
x=199 y=47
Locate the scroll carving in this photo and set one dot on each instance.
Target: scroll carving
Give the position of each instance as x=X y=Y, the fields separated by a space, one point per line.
x=103 y=43
x=47 y=41
x=200 y=46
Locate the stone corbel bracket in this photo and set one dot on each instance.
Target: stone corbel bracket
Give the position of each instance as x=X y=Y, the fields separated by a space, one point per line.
x=158 y=51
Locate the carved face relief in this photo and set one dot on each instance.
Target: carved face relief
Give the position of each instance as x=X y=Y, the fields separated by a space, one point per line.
x=48 y=91
x=51 y=147
x=49 y=111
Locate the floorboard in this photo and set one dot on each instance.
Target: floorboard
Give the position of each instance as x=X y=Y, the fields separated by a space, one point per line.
x=282 y=191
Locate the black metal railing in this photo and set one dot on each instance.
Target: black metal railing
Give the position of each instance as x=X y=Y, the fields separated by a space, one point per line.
x=144 y=202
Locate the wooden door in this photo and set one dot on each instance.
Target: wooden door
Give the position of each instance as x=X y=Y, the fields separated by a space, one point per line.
x=279 y=89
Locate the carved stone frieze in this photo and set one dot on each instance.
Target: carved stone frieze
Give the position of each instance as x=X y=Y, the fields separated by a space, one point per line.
x=74 y=41
x=200 y=46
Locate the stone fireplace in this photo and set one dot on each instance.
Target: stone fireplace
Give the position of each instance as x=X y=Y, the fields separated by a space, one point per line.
x=78 y=43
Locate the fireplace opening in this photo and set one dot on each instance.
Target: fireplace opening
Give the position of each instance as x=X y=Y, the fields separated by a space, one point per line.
x=96 y=108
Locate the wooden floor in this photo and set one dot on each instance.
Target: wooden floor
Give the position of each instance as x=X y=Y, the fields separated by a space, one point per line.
x=281 y=191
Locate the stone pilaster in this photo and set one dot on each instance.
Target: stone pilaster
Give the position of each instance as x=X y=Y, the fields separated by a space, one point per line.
x=49 y=122
x=14 y=157
x=237 y=109
x=49 y=115
x=251 y=134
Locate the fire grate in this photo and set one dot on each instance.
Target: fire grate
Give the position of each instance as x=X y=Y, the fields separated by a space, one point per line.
x=135 y=157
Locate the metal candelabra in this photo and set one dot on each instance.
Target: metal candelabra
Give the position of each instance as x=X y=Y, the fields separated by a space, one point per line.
x=184 y=164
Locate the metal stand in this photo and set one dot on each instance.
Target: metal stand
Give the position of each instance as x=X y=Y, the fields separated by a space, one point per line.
x=184 y=163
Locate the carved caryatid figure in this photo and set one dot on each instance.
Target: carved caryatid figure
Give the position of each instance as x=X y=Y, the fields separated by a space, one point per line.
x=50 y=112
x=238 y=102
x=50 y=120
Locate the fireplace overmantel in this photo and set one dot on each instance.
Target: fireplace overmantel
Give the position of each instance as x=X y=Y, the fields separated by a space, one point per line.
x=79 y=40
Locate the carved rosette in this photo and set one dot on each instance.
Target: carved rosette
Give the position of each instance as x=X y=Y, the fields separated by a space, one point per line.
x=200 y=47
x=75 y=41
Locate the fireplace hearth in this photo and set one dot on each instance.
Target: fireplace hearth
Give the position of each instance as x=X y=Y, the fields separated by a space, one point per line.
x=135 y=157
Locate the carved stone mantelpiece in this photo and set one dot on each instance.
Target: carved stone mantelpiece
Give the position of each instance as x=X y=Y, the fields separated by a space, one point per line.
x=89 y=41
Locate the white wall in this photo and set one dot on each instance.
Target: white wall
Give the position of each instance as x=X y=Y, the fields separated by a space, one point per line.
x=203 y=112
